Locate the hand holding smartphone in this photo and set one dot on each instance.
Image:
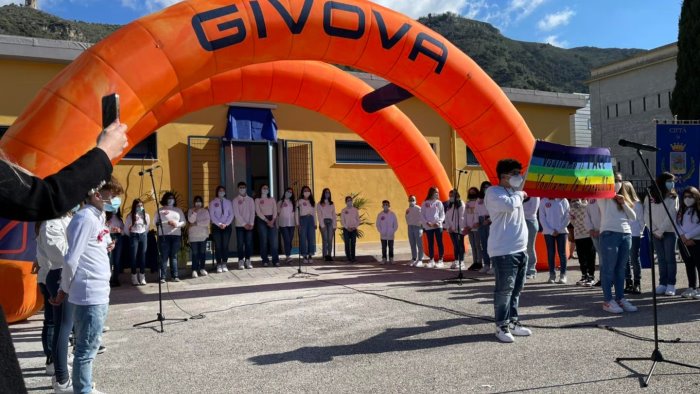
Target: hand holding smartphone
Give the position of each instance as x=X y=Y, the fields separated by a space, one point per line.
x=110 y=109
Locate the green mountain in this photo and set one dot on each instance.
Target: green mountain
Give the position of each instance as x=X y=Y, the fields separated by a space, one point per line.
x=510 y=63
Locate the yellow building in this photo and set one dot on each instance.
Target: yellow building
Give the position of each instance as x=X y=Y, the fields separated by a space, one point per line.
x=313 y=149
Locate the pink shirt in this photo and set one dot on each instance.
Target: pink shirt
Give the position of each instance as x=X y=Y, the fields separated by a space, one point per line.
x=286 y=217
x=243 y=211
x=221 y=211
x=387 y=225
x=265 y=207
x=350 y=218
x=326 y=211
x=305 y=209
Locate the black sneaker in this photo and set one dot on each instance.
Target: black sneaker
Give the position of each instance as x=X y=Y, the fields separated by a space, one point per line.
x=583 y=281
x=102 y=349
x=475 y=267
x=637 y=287
x=597 y=283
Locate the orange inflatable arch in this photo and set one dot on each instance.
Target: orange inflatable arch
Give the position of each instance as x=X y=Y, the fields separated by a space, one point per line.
x=155 y=57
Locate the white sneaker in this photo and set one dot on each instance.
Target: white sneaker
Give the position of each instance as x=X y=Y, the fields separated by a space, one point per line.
x=142 y=279
x=518 y=330
x=391 y=260
x=454 y=265
x=50 y=370
x=248 y=264
x=134 y=280
x=194 y=274
x=562 y=279
x=203 y=272
x=462 y=266
x=484 y=269
x=224 y=267
x=670 y=290
x=612 y=307
x=627 y=306
x=431 y=263
x=689 y=293
x=383 y=261
x=490 y=271
x=552 y=279
x=241 y=264
x=66 y=388
x=219 y=269
x=660 y=289
x=419 y=264
x=503 y=334
x=413 y=263
x=440 y=264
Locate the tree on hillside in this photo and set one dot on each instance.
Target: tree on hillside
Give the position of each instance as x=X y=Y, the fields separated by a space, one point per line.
x=685 y=101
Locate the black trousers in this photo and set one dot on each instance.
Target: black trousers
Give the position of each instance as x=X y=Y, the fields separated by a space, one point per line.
x=586 y=256
x=388 y=243
x=692 y=264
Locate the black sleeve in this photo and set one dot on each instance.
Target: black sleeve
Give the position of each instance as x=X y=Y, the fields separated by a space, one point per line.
x=28 y=198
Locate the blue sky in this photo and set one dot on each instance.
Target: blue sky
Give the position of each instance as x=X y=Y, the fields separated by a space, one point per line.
x=642 y=24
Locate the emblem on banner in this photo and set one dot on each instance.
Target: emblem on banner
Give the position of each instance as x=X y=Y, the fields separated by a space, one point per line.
x=678 y=159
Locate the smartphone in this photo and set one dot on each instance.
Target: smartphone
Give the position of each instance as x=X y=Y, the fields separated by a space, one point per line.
x=110 y=109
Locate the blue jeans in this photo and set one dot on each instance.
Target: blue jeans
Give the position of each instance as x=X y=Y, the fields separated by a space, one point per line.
x=221 y=239
x=307 y=233
x=458 y=245
x=615 y=251
x=169 y=248
x=484 y=238
x=435 y=234
x=475 y=244
x=415 y=240
x=287 y=237
x=198 y=251
x=89 y=322
x=510 y=280
x=244 y=243
x=138 y=243
x=63 y=320
x=560 y=243
x=350 y=240
x=635 y=265
x=666 y=253
x=115 y=256
x=327 y=237
x=532 y=227
x=47 y=328
x=269 y=242
x=596 y=245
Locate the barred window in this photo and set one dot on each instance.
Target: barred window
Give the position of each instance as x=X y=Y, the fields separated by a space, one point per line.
x=146 y=149
x=356 y=152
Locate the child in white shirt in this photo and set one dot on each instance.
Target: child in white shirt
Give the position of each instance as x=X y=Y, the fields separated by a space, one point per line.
x=350 y=220
x=415 y=231
x=387 y=224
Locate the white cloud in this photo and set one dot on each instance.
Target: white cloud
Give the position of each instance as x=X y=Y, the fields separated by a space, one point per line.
x=149 y=5
x=554 y=41
x=418 y=8
x=6 y=2
x=523 y=8
x=552 y=21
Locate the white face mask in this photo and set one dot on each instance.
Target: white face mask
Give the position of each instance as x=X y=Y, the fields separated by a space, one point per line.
x=171 y=202
x=288 y=194
x=412 y=203
x=349 y=204
x=264 y=192
x=198 y=204
x=618 y=186
x=452 y=199
x=434 y=196
x=515 y=181
x=222 y=194
x=242 y=191
x=689 y=202
x=307 y=194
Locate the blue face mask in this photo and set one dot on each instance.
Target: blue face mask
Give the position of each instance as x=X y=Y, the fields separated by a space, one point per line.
x=113 y=205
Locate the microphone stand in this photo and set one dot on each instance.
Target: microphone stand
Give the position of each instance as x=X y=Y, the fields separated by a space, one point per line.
x=460 y=273
x=160 y=317
x=656 y=356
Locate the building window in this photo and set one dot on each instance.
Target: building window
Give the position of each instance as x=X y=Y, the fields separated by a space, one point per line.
x=608 y=108
x=658 y=99
x=471 y=158
x=669 y=98
x=3 y=129
x=617 y=110
x=630 y=102
x=589 y=124
x=356 y=152
x=146 y=149
x=644 y=103
x=632 y=166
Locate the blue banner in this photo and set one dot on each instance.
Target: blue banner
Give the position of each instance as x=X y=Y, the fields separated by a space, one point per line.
x=17 y=240
x=250 y=124
x=679 y=153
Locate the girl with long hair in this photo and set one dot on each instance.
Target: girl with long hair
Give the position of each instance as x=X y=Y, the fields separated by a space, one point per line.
x=325 y=211
x=662 y=231
x=136 y=228
x=287 y=221
x=454 y=221
x=433 y=216
x=197 y=234
x=689 y=227
x=171 y=221
x=306 y=211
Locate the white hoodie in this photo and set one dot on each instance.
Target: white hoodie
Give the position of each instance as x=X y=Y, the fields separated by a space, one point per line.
x=387 y=224
x=659 y=219
x=555 y=215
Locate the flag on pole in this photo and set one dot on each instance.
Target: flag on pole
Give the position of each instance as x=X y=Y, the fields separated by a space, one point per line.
x=561 y=171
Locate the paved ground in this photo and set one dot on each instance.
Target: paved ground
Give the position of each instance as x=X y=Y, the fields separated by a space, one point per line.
x=371 y=328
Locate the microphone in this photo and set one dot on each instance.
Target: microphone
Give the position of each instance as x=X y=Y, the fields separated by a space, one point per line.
x=462 y=171
x=150 y=170
x=636 y=145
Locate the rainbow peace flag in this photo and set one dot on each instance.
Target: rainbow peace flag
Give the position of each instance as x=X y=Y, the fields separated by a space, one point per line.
x=561 y=171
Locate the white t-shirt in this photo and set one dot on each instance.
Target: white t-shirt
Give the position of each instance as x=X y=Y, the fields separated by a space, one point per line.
x=613 y=219
x=508 y=233
x=555 y=215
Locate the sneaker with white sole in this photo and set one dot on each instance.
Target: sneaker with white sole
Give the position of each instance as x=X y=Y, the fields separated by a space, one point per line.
x=413 y=263
x=670 y=290
x=134 y=280
x=582 y=281
x=224 y=267
x=562 y=280
x=219 y=269
x=462 y=266
x=612 y=307
x=431 y=263
x=248 y=264
x=484 y=269
x=689 y=293
x=503 y=334
x=391 y=260
x=419 y=264
x=490 y=271
x=530 y=276
x=519 y=330
x=626 y=305
x=552 y=279
x=203 y=272
x=440 y=264
x=660 y=289
x=194 y=274
x=241 y=265
x=454 y=265
x=142 y=279
x=697 y=295
x=59 y=388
